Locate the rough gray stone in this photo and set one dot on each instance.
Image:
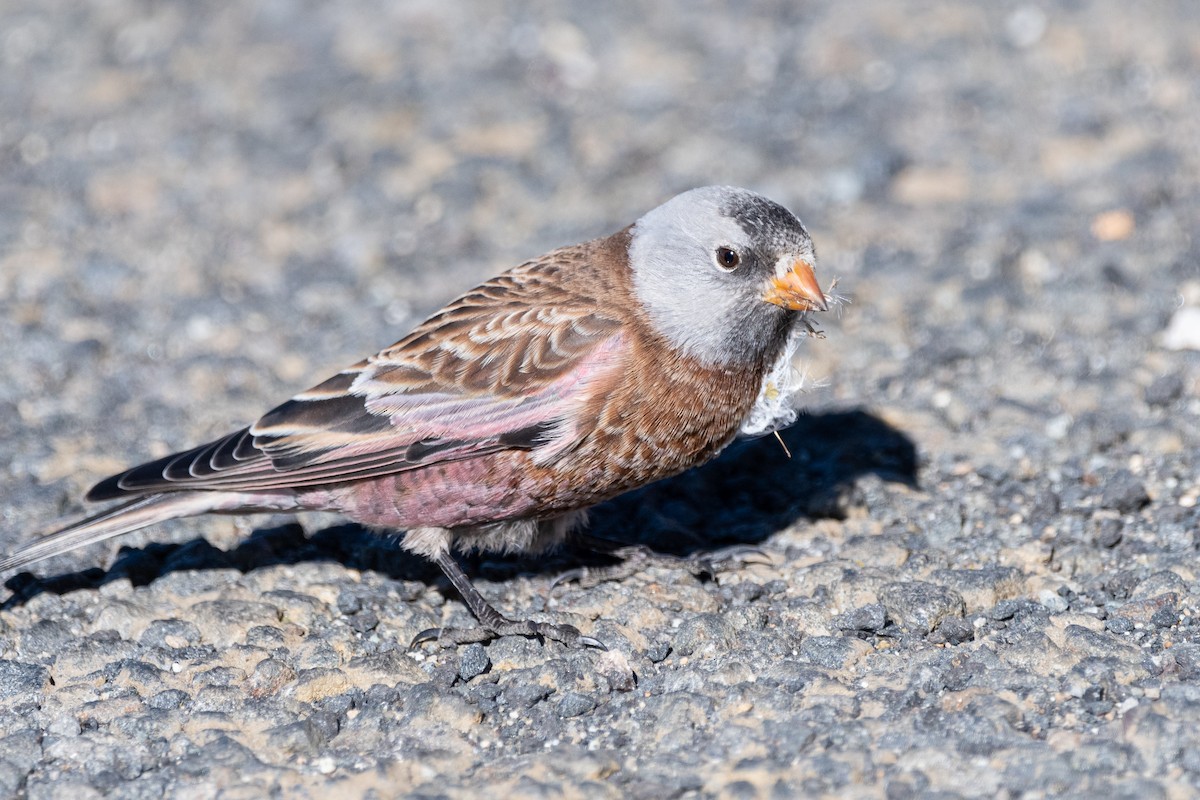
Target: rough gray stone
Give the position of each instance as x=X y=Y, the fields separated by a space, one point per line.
x=170 y=633
x=17 y=678
x=953 y=630
x=831 y=652
x=168 y=699
x=526 y=695
x=269 y=676
x=1124 y=492
x=704 y=633
x=574 y=704
x=473 y=661
x=920 y=606
x=1165 y=389
x=872 y=617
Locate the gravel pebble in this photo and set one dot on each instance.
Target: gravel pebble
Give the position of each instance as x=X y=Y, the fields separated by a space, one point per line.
x=953 y=630
x=17 y=679
x=705 y=634
x=473 y=661
x=168 y=699
x=831 y=652
x=1124 y=492
x=919 y=605
x=170 y=633
x=269 y=676
x=1109 y=533
x=614 y=669
x=574 y=704
x=658 y=651
x=526 y=695
x=872 y=617
x=1164 y=390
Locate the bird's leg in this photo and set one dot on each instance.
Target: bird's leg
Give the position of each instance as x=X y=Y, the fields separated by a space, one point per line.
x=493 y=624
x=633 y=558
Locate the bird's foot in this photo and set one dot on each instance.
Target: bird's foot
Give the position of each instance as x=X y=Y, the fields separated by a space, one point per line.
x=567 y=635
x=493 y=624
x=632 y=559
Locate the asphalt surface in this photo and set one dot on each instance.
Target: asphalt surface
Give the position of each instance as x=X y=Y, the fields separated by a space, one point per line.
x=980 y=575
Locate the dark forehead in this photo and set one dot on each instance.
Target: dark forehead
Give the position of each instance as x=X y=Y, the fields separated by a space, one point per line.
x=763 y=219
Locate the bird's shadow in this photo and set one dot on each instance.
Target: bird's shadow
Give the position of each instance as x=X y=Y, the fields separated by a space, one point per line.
x=754 y=489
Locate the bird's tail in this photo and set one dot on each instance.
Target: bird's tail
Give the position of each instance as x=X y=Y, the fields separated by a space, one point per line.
x=136 y=514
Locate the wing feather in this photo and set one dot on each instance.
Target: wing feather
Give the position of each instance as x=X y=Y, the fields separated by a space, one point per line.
x=506 y=366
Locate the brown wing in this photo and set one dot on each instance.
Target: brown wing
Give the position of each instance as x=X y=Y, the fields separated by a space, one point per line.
x=507 y=365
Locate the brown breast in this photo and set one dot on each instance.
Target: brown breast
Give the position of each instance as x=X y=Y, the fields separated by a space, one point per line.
x=661 y=414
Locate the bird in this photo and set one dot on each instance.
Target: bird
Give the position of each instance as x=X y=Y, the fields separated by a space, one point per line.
x=497 y=422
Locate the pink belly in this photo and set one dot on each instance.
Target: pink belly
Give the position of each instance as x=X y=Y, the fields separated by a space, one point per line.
x=442 y=495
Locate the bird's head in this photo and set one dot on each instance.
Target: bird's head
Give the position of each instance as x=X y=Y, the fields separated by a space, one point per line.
x=724 y=274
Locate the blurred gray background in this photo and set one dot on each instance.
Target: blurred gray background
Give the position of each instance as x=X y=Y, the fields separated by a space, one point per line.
x=983 y=575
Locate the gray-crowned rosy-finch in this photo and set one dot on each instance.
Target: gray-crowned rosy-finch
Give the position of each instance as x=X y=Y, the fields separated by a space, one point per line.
x=563 y=382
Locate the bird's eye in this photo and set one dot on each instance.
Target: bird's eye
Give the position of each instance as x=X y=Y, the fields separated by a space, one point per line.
x=728 y=259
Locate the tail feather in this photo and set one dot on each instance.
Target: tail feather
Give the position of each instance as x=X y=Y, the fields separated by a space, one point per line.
x=123 y=519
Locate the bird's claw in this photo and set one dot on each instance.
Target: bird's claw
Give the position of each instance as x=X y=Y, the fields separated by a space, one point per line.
x=592 y=642
x=578 y=574
x=711 y=562
x=567 y=635
x=634 y=558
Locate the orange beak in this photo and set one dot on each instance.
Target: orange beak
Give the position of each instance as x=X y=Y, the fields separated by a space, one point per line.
x=797 y=289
